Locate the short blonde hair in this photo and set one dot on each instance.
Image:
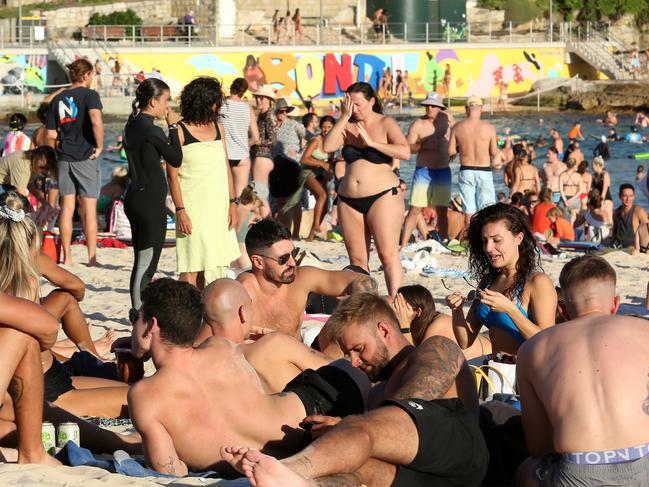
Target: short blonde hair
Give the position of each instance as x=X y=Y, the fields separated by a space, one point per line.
x=361 y=309
x=598 y=161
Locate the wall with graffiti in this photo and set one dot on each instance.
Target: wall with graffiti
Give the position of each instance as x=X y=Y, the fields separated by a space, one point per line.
x=28 y=69
x=325 y=75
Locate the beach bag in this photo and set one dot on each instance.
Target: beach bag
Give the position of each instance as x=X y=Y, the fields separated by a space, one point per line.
x=119 y=224
x=495 y=378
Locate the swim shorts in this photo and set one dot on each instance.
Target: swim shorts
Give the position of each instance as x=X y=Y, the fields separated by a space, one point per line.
x=80 y=177
x=558 y=471
x=556 y=197
x=431 y=187
x=57 y=381
x=337 y=389
x=284 y=179
x=476 y=188
x=452 y=450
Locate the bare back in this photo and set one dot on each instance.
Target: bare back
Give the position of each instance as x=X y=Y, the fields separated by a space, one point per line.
x=433 y=135
x=476 y=141
x=586 y=383
x=216 y=399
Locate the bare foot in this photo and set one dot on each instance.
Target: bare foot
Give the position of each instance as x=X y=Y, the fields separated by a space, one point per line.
x=41 y=458
x=234 y=456
x=92 y=262
x=103 y=344
x=266 y=471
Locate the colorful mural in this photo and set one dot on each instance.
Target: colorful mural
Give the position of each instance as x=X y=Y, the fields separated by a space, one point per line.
x=30 y=69
x=325 y=75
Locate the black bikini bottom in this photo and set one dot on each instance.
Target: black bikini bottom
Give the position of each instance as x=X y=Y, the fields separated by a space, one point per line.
x=363 y=205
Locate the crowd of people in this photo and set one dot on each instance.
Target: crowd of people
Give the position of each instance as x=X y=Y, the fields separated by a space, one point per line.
x=382 y=393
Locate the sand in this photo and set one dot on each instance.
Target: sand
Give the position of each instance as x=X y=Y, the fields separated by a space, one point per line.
x=107 y=303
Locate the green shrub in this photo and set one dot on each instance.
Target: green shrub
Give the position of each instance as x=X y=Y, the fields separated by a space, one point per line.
x=492 y=4
x=518 y=11
x=126 y=17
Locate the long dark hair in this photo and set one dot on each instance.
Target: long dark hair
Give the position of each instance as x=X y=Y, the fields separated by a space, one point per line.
x=516 y=222
x=197 y=99
x=149 y=89
x=368 y=92
x=419 y=298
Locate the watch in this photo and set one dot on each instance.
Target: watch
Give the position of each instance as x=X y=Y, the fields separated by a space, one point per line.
x=236 y=200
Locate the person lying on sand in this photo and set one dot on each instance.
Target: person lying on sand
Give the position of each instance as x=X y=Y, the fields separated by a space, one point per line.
x=276 y=356
x=586 y=410
x=421 y=390
x=279 y=288
x=201 y=399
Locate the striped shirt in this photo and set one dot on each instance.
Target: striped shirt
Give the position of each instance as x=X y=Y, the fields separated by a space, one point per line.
x=235 y=117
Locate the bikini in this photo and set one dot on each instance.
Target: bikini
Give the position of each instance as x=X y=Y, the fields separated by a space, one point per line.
x=571 y=185
x=497 y=319
x=352 y=154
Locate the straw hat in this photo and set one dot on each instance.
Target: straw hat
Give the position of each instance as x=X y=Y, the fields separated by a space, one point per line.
x=474 y=101
x=265 y=90
x=283 y=104
x=456 y=203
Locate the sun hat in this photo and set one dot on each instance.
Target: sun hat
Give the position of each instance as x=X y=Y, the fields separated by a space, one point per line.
x=474 y=101
x=265 y=90
x=283 y=104
x=434 y=99
x=456 y=203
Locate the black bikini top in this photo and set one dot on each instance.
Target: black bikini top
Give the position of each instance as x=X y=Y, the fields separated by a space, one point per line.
x=351 y=153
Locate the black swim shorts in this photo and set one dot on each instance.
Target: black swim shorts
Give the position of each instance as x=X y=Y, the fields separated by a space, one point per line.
x=452 y=450
x=337 y=389
x=58 y=381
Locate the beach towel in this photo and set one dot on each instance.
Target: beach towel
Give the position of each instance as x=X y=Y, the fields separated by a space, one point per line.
x=431 y=245
x=579 y=245
x=429 y=271
x=121 y=462
x=417 y=262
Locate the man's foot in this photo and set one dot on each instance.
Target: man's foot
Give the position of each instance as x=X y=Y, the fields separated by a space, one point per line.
x=40 y=458
x=266 y=471
x=92 y=262
x=234 y=456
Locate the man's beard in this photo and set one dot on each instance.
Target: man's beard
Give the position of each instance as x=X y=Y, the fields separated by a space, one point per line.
x=286 y=277
x=379 y=361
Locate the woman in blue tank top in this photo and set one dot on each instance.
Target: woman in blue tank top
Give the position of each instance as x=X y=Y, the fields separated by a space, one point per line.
x=515 y=300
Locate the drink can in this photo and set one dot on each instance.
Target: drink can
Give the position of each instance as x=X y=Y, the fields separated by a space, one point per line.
x=68 y=432
x=48 y=436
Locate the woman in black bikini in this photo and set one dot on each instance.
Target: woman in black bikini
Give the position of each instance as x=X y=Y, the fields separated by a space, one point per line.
x=601 y=181
x=371 y=203
x=570 y=186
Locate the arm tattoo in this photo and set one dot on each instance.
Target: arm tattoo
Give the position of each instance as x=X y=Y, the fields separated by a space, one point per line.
x=432 y=370
x=15 y=389
x=168 y=467
x=645 y=404
x=343 y=480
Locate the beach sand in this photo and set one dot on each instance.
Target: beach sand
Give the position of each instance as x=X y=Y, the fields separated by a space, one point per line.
x=107 y=303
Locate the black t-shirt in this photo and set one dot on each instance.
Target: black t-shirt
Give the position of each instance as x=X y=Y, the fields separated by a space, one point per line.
x=68 y=115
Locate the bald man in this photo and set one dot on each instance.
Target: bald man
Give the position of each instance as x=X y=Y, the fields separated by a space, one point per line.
x=583 y=387
x=277 y=357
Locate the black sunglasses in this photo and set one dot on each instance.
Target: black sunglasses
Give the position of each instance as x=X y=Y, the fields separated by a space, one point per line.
x=283 y=259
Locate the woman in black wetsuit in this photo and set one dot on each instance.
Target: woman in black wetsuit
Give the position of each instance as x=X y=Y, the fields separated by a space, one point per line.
x=144 y=203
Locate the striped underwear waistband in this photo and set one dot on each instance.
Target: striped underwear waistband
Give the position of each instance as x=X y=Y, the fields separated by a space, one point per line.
x=621 y=455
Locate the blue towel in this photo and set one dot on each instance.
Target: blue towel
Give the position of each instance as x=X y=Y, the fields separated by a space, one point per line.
x=75 y=456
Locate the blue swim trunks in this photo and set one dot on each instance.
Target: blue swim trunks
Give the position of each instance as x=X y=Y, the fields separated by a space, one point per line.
x=430 y=187
x=476 y=188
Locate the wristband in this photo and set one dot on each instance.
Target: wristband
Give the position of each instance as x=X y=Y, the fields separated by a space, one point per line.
x=173 y=126
x=178 y=208
x=236 y=200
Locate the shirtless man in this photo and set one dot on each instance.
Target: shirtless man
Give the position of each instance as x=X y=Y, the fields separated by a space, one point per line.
x=279 y=288
x=557 y=141
x=476 y=142
x=552 y=169
x=431 y=183
x=583 y=387
x=202 y=398
x=424 y=428
x=627 y=219
x=277 y=357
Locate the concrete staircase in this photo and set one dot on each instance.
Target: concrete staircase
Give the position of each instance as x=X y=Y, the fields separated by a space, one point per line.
x=601 y=50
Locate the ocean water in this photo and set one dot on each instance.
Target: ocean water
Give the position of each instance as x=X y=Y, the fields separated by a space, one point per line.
x=621 y=168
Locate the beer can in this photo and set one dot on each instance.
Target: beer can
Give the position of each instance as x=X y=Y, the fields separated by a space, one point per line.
x=68 y=432
x=48 y=437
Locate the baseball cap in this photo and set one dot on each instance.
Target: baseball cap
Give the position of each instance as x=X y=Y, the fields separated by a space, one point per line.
x=474 y=101
x=434 y=99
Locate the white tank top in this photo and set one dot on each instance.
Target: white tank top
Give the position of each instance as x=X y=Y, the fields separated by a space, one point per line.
x=235 y=117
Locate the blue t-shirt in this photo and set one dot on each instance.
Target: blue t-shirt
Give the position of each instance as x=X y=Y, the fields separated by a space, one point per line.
x=68 y=115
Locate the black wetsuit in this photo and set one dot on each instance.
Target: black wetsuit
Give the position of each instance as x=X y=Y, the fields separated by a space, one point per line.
x=144 y=203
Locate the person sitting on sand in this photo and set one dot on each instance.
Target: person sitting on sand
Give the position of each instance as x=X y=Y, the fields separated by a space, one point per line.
x=560 y=228
x=422 y=390
x=276 y=278
x=19 y=246
x=513 y=298
x=586 y=411
x=277 y=357
x=21 y=169
x=200 y=399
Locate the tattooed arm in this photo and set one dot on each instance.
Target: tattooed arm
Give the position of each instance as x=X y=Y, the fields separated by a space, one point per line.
x=432 y=370
x=159 y=450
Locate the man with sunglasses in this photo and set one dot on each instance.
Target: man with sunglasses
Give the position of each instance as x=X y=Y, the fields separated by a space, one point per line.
x=279 y=288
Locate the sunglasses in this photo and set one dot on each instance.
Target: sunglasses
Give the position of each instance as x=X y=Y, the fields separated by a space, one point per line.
x=534 y=201
x=474 y=294
x=283 y=259
x=282 y=111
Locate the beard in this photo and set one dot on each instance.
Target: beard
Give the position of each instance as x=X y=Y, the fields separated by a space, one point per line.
x=286 y=277
x=379 y=361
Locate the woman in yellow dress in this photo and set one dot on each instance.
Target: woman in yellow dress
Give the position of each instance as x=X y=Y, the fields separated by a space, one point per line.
x=202 y=188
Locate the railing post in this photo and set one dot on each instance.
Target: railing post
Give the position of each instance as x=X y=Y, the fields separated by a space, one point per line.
x=105 y=38
x=468 y=32
x=489 y=29
x=362 y=34
x=318 y=33
x=510 y=31
x=340 y=35
x=448 y=32
x=133 y=35
x=189 y=34
x=161 y=44
x=426 y=32
x=384 y=30
x=405 y=32
x=31 y=37
x=270 y=34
